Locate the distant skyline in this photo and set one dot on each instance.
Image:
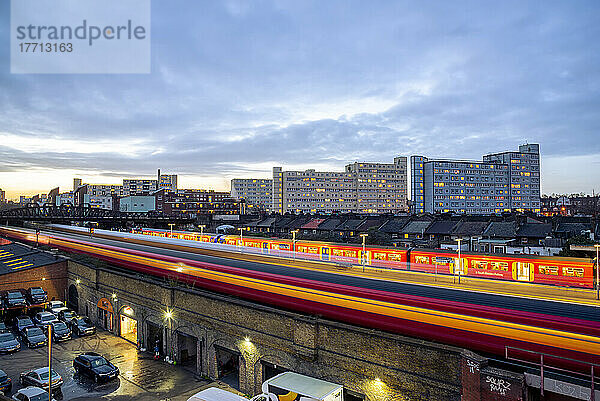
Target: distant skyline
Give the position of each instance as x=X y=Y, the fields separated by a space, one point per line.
x=239 y=87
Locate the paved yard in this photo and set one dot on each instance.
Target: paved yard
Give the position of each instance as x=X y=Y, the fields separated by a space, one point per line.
x=141 y=377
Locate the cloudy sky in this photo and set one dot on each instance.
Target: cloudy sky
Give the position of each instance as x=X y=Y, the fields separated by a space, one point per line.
x=240 y=86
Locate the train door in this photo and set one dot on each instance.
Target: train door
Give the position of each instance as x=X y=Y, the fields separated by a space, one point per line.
x=325 y=254
x=459 y=268
x=364 y=257
x=522 y=271
x=265 y=247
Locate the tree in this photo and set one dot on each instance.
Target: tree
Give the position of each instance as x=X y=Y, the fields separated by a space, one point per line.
x=578 y=240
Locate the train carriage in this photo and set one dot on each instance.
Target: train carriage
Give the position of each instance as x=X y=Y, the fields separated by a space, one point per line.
x=524 y=268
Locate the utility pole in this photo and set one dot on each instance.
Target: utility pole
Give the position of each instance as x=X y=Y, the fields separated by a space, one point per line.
x=50 y=361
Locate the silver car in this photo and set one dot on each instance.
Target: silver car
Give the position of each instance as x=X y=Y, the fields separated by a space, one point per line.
x=39 y=378
x=31 y=394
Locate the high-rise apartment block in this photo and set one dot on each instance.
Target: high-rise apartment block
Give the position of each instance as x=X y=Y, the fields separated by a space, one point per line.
x=139 y=187
x=500 y=182
x=363 y=187
x=258 y=193
x=167 y=181
x=77 y=182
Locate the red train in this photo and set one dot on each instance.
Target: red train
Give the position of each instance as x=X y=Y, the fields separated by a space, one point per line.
x=572 y=272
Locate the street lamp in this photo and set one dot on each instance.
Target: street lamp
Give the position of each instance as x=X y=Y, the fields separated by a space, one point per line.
x=597 y=246
x=294 y=232
x=459 y=260
x=364 y=243
x=50 y=361
x=171 y=226
x=201 y=230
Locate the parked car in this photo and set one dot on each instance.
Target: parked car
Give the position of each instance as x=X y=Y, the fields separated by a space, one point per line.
x=54 y=306
x=31 y=394
x=39 y=378
x=8 y=342
x=34 y=337
x=22 y=322
x=37 y=295
x=5 y=382
x=3 y=327
x=14 y=298
x=82 y=326
x=96 y=366
x=60 y=331
x=43 y=319
x=66 y=315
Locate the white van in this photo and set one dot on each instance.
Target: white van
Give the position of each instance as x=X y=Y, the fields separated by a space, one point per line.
x=216 y=394
x=292 y=386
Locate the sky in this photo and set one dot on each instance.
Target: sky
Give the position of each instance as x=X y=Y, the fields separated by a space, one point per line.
x=237 y=87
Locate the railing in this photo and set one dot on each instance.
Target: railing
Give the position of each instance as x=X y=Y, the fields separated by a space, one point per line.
x=542 y=365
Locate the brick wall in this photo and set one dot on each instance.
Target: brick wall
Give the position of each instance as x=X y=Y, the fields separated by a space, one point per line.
x=55 y=282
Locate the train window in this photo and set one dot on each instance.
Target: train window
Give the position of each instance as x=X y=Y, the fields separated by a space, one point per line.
x=499 y=266
x=479 y=264
x=301 y=249
x=395 y=257
x=284 y=246
x=350 y=254
x=422 y=259
x=337 y=252
x=573 y=271
x=313 y=249
x=549 y=270
x=442 y=260
x=379 y=256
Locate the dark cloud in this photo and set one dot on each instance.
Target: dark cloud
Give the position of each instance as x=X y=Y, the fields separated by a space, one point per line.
x=235 y=84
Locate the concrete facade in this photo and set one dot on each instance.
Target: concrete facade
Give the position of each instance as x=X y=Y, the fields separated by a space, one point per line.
x=372 y=365
x=500 y=182
x=363 y=187
x=257 y=192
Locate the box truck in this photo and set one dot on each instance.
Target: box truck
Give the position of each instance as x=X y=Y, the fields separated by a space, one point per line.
x=290 y=386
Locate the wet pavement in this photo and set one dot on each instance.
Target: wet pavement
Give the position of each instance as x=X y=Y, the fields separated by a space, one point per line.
x=141 y=377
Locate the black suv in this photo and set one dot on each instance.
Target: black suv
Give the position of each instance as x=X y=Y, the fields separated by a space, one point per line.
x=37 y=295
x=95 y=366
x=82 y=326
x=14 y=298
x=60 y=331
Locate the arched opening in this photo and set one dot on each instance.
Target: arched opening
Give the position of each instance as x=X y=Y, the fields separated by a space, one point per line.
x=73 y=298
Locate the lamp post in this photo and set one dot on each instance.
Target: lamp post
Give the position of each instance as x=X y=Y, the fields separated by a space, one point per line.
x=50 y=361
x=364 y=239
x=597 y=246
x=459 y=260
x=168 y=316
x=294 y=232
x=171 y=226
x=201 y=231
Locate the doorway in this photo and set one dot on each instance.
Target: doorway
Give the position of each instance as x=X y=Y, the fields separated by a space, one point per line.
x=128 y=328
x=155 y=336
x=270 y=370
x=188 y=349
x=228 y=366
x=73 y=298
